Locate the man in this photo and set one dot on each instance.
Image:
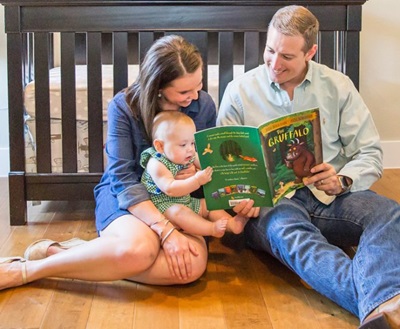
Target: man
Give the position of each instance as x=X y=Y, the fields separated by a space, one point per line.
x=336 y=208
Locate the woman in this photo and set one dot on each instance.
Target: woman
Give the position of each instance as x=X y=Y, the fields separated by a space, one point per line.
x=130 y=227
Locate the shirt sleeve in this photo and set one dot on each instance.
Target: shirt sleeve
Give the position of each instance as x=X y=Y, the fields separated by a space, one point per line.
x=230 y=112
x=360 y=141
x=123 y=147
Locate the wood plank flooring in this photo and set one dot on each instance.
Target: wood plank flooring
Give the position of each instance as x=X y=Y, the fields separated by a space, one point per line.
x=241 y=288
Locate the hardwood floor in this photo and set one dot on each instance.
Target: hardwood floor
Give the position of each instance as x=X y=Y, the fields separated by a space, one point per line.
x=241 y=288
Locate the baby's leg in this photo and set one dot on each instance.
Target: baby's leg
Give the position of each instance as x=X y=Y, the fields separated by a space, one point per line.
x=236 y=224
x=186 y=219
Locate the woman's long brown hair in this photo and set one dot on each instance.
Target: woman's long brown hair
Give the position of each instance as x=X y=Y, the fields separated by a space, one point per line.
x=169 y=58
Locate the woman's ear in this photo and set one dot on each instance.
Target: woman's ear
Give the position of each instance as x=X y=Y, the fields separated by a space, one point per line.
x=158 y=144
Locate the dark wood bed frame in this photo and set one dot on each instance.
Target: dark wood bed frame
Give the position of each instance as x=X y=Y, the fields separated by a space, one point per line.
x=226 y=32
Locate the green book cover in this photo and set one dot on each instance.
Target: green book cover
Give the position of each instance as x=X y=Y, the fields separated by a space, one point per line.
x=262 y=163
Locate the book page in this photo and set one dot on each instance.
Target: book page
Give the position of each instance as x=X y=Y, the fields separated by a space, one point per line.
x=292 y=146
x=235 y=154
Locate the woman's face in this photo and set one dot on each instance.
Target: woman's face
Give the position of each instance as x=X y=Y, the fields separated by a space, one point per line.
x=182 y=91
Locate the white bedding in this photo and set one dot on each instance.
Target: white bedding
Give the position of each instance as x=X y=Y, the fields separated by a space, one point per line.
x=81 y=111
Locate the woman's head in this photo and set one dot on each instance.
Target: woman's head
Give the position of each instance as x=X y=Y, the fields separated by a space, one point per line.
x=173 y=136
x=170 y=77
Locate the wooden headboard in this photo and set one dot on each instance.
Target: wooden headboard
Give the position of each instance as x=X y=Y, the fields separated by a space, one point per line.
x=226 y=32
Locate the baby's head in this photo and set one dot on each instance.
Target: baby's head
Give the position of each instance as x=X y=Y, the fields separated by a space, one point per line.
x=173 y=136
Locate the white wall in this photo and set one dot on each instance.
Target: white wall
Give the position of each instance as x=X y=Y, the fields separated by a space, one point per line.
x=380 y=72
x=379 y=78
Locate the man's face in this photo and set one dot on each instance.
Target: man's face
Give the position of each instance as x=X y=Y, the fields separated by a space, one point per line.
x=285 y=58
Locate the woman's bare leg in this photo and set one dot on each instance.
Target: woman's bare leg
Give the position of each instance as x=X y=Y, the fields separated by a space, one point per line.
x=126 y=248
x=159 y=274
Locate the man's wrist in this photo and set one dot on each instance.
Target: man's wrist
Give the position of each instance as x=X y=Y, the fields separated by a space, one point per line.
x=345 y=183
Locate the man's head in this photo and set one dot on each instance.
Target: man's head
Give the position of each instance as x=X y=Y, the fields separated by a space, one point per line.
x=291 y=44
x=297 y=21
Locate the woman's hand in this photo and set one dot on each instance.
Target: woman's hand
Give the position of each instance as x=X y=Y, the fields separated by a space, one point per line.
x=324 y=179
x=178 y=251
x=187 y=172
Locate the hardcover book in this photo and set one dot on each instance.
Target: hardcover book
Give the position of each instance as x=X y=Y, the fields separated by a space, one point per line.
x=262 y=163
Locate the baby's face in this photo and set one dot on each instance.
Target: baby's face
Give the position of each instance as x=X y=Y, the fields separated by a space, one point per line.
x=179 y=147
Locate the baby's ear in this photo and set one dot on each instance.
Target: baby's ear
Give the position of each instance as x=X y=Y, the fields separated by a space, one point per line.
x=158 y=145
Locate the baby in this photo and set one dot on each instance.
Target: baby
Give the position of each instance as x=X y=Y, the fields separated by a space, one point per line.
x=173 y=150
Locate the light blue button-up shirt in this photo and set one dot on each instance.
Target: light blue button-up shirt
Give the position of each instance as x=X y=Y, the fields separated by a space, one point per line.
x=349 y=136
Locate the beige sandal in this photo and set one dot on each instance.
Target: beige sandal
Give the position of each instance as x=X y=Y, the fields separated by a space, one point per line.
x=7 y=260
x=38 y=249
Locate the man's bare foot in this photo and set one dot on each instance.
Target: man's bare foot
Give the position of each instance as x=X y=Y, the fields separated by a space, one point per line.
x=236 y=224
x=219 y=227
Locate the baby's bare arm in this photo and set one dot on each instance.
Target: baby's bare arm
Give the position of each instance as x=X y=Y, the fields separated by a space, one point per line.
x=166 y=182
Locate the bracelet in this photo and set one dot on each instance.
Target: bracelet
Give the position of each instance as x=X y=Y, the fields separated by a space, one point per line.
x=167 y=235
x=159 y=221
x=162 y=231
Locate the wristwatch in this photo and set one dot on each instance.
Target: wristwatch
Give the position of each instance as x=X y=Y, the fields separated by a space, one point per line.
x=344 y=184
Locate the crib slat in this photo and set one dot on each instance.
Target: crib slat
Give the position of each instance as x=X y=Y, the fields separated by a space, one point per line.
x=15 y=100
x=251 y=42
x=95 y=104
x=42 y=103
x=352 y=55
x=225 y=46
x=120 y=60
x=327 y=48
x=68 y=103
x=145 y=41
x=16 y=177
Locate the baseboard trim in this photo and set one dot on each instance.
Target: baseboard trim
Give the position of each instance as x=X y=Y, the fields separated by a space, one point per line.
x=5 y=162
x=391 y=158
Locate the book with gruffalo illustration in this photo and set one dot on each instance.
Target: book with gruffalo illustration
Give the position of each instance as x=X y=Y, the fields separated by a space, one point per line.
x=262 y=163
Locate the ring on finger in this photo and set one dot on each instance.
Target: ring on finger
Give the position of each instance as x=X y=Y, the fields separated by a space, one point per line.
x=321 y=182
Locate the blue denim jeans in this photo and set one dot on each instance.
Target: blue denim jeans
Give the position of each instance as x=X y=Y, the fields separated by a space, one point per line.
x=304 y=234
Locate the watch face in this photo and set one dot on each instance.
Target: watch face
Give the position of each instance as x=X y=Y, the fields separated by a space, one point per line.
x=343 y=182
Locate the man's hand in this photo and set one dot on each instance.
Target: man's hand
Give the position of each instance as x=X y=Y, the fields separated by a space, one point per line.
x=324 y=179
x=246 y=209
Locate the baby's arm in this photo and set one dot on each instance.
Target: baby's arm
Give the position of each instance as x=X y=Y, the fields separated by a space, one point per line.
x=166 y=182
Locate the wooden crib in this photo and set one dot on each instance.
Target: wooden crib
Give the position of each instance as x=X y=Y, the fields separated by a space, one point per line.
x=95 y=33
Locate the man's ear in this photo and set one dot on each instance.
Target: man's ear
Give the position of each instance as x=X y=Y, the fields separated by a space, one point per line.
x=310 y=54
x=158 y=145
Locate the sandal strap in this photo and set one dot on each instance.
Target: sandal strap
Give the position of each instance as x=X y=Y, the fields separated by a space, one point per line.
x=23 y=271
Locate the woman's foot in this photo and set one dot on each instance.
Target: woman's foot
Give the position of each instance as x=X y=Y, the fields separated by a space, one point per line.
x=236 y=224
x=43 y=248
x=12 y=272
x=219 y=227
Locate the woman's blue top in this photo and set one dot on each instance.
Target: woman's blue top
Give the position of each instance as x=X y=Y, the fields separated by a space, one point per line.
x=120 y=186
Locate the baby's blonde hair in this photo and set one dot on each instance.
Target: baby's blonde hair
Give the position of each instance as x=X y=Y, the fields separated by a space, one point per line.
x=166 y=122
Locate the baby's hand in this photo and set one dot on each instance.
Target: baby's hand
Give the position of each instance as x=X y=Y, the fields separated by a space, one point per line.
x=204 y=176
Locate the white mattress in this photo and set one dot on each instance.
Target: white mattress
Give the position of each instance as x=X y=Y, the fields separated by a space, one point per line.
x=82 y=111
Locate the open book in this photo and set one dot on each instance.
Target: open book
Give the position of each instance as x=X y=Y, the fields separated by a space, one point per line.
x=262 y=163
